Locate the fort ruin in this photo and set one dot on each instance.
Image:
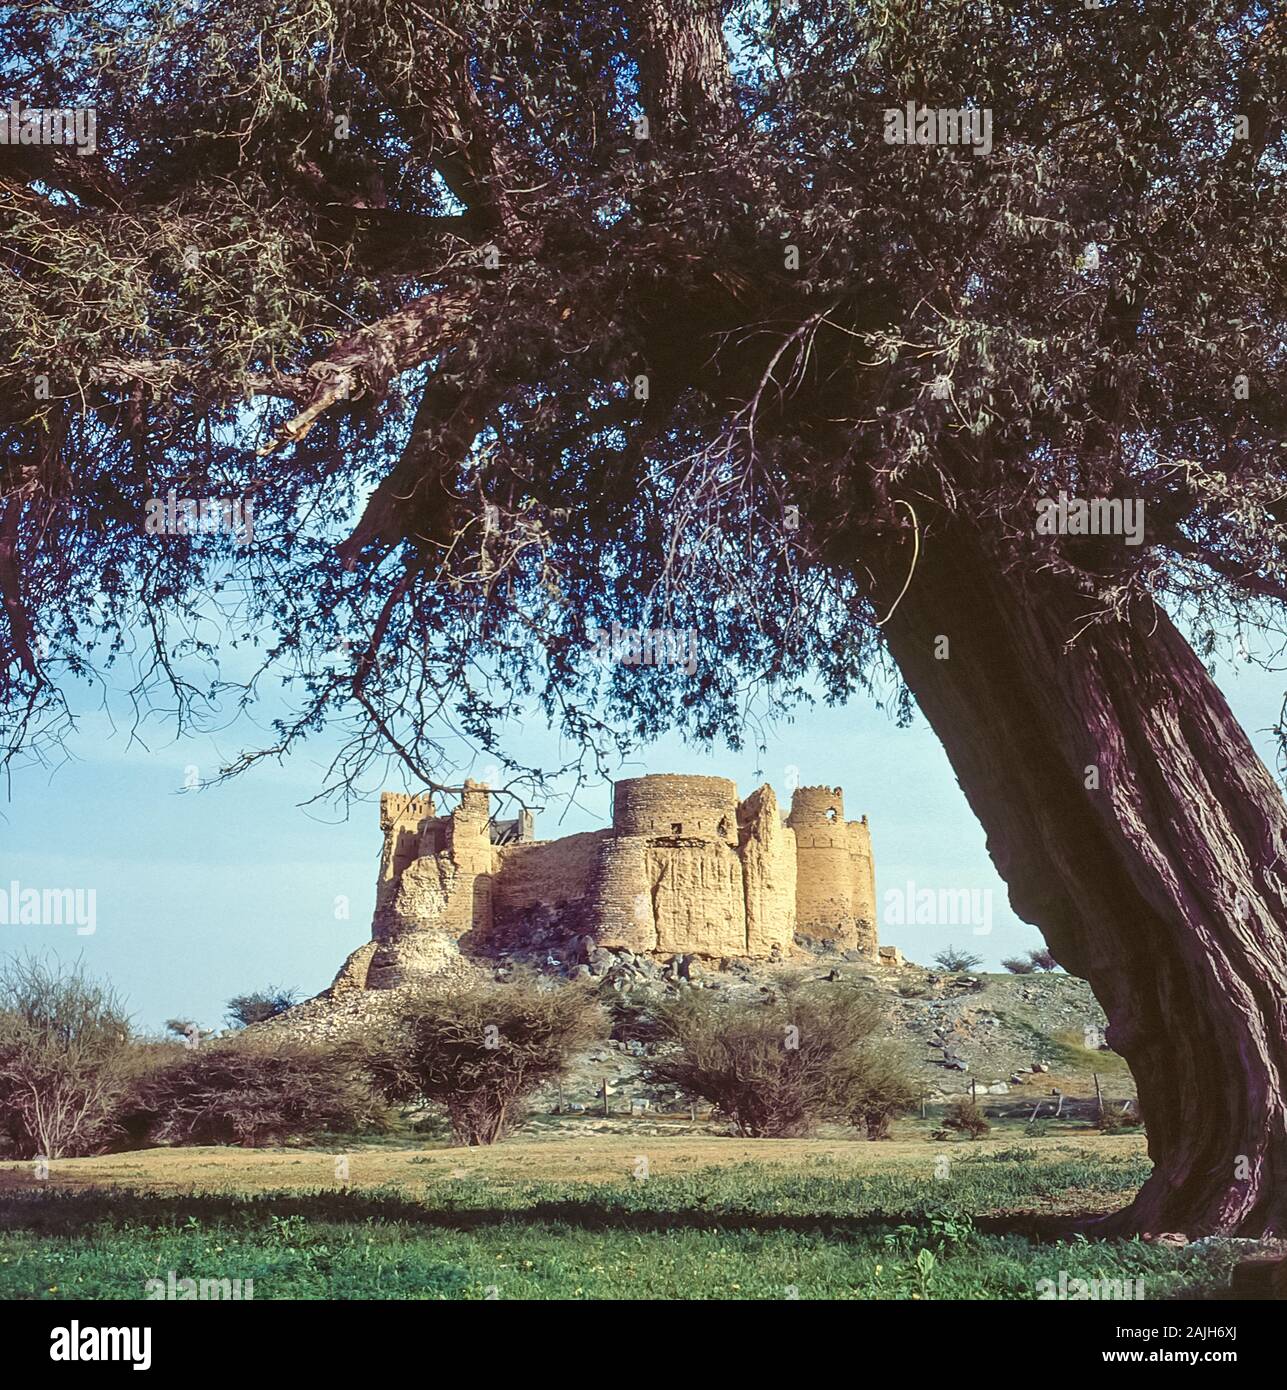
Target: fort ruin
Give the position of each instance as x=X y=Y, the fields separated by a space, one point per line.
x=686 y=868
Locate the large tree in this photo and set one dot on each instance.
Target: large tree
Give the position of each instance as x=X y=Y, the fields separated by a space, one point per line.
x=516 y=321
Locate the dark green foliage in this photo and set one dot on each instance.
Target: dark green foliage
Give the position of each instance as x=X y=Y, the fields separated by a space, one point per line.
x=953 y=959
x=1071 y=312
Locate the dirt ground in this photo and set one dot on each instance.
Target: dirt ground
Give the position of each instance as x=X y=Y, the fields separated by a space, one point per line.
x=593 y=1158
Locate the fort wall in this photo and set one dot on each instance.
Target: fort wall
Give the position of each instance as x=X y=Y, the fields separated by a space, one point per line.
x=622 y=916
x=546 y=873
x=685 y=869
x=768 y=853
x=698 y=898
x=863 y=867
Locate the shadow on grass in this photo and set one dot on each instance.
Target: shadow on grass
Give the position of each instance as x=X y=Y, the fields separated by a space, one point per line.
x=70 y=1214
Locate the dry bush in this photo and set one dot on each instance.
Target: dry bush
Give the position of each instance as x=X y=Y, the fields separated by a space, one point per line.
x=886 y=1091
x=253 y=1093
x=259 y=1007
x=481 y=1051
x=1019 y=965
x=953 y=959
x=966 y=1117
x=779 y=1069
x=64 y=1048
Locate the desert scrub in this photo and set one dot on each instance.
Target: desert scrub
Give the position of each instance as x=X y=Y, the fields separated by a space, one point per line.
x=254 y=1092
x=481 y=1052
x=779 y=1069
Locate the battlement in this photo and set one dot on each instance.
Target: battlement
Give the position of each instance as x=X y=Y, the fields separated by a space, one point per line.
x=813 y=806
x=396 y=807
x=475 y=801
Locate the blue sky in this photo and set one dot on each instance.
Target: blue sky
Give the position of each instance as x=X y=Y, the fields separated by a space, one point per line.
x=203 y=895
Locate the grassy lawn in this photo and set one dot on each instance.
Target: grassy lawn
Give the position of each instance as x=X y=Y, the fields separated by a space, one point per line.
x=566 y=1218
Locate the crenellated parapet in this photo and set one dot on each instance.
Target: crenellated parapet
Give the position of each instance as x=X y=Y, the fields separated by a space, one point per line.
x=668 y=805
x=817 y=807
x=399 y=807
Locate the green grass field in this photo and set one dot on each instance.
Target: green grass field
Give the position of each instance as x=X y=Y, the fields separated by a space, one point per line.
x=810 y=1221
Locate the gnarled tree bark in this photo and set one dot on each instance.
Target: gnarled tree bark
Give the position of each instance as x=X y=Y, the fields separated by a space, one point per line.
x=1135 y=825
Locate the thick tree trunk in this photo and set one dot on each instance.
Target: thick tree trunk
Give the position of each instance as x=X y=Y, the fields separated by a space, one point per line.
x=683 y=66
x=1135 y=825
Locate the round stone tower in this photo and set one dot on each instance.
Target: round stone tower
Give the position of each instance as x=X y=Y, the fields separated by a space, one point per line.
x=824 y=875
x=668 y=806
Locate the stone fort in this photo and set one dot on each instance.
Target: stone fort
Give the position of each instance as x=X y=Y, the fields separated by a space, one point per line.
x=686 y=868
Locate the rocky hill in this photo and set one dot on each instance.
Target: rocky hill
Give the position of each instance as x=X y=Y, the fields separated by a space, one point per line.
x=1025 y=1037
x=1018 y=1040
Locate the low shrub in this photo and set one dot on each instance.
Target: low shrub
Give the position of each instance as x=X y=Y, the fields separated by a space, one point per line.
x=954 y=960
x=480 y=1052
x=64 y=1049
x=1019 y=965
x=966 y=1117
x=254 y=1093
x=259 y=1007
x=779 y=1069
x=887 y=1091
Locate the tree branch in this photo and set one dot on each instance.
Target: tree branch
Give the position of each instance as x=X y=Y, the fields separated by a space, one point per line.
x=369 y=359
